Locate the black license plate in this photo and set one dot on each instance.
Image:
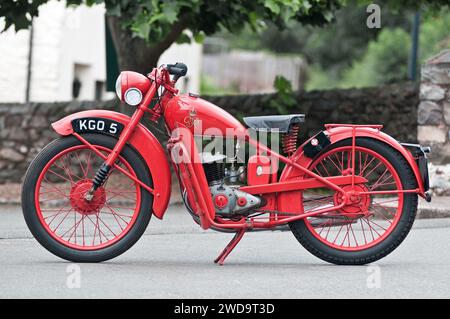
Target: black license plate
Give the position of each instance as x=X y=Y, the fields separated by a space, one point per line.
x=97 y=125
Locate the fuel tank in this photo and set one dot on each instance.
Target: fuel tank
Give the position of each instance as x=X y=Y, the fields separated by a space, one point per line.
x=201 y=117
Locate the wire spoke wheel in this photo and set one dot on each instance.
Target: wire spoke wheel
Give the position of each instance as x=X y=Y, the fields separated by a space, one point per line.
x=369 y=222
x=368 y=219
x=68 y=217
x=64 y=222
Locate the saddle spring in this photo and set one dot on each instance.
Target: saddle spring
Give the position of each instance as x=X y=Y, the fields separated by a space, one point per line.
x=289 y=140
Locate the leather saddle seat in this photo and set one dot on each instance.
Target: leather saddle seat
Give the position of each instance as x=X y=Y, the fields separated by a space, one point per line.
x=281 y=123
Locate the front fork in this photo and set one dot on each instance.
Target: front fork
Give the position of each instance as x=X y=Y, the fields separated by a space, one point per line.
x=102 y=173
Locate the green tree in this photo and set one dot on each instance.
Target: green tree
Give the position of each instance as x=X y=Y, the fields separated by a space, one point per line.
x=333 y=46
x=143 y=29
x=284 y=99
x=434 y=34
x=336 y=45
x=385 y=61
x=331 y=50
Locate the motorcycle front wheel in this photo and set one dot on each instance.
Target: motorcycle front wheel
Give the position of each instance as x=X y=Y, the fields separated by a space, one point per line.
x=67 y=225
x=373 y=225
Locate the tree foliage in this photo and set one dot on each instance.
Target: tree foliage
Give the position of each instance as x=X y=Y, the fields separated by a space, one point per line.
x=385 y=61
x=334 y=46
x=152 y=20
x=386 y=58
x=19 y=13
x=143 y=29
x=434 y=34
x=284 y=99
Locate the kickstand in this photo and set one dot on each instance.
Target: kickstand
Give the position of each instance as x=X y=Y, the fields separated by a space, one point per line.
x=231 y=245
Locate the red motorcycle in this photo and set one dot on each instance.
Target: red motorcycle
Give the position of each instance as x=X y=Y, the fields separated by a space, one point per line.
x=348 y=193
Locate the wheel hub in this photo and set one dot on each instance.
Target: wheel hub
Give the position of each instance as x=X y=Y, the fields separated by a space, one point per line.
x=356 y=205
x=79 y=202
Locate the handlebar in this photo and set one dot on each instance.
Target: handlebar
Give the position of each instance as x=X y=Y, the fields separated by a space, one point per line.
x=161 y=75
x=178 y=69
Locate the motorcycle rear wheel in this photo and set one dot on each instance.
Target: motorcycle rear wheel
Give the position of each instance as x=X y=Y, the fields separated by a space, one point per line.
x=376 y=224
x=63 y=222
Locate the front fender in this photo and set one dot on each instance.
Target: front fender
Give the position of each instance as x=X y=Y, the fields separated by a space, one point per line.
x=339 y=133
x=144 y=142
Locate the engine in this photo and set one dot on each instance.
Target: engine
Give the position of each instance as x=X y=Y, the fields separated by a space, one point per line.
x=223 y=184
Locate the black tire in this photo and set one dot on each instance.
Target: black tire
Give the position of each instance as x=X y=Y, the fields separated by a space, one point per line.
x=69 y=253
x=398 y=234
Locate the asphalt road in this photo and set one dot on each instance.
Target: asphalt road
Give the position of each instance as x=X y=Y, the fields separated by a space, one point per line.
x=174 y=259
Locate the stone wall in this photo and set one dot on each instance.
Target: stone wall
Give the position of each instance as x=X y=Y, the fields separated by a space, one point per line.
x=24 y=129
x=434 y=119
x=434 y=108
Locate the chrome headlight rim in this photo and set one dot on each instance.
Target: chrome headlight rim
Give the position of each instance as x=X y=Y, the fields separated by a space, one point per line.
x=133 y=100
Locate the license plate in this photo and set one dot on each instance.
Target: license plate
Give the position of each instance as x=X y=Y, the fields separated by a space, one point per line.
x=97 y=125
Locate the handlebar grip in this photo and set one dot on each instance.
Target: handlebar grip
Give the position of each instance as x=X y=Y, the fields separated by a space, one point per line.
x=178 y=69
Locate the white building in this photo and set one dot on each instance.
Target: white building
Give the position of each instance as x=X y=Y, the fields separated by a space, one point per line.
x=257 y=70
x=69 y=44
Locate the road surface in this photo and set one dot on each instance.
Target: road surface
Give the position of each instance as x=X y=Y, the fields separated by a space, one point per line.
x=174 y=259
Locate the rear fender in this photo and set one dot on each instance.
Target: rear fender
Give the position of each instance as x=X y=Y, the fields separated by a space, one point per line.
x=144 y=142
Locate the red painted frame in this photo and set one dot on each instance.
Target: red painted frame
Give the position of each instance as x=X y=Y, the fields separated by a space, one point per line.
x=188 y=157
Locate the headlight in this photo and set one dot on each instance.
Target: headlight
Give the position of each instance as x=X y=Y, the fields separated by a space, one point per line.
x=131 y=87
x=133 y=96
x=119 y=87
